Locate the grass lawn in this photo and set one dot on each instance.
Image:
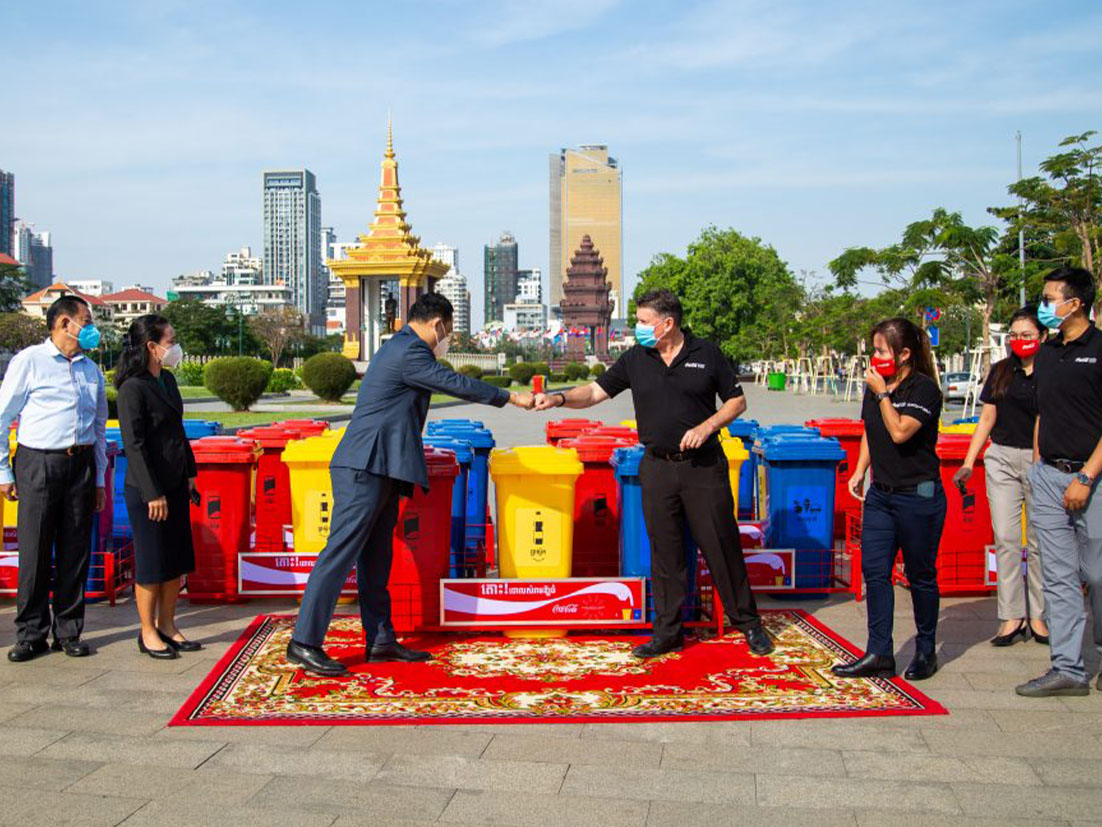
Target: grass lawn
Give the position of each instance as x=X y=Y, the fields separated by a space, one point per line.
x=194 y=392
x=235 y=420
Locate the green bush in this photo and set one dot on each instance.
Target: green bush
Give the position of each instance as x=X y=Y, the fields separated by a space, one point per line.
x=282 y=380
x=522 y=372
x=473 y=371
x=575 y=371
x=597 y=370
x=189 y=373
x=109 y=378
x=237 y=380
x=542 y=367
x=329 y=375
x=499 y=381
x=445 y=363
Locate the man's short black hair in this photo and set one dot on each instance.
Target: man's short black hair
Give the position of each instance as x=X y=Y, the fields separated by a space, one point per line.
x=664 y=303
x=431 y=306
x=1078 y=284
x=65 y=306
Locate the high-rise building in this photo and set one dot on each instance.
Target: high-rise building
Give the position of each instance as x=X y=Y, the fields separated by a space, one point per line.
x=585 y=199
x=7 y=214
x=453 y=287
x=500 y=273
x=530 y=286
x=243 y=267
x=34 y=251
x=292 y=241
x=447 y=254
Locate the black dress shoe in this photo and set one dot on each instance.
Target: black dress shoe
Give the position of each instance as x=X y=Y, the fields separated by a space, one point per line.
x=655 y=647
x=180 y=645
x=1041 y=639
x=74 y=647
x=314 y=659
x=870 y=666
x=168 y=653
x=1008 y=640
x=26 y=650
x=923 y=666
x=758 y=640
x=396 y=652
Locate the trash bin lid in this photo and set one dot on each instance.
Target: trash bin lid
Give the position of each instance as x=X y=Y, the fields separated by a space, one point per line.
x=625 y=461
x=479 y=438
x=305 y=426
x=111 y=423
x=310 y=450
x=464 y=455
x=837 y=427
x=955 y=446
x=801 y=448
x=535 y=460
x=224 y=449
x=743 y=428
x=441 y=462
x=595 y=448
x=968 y=420
x=567 y=428
x=195 y=428
x=617 y=431
x=470 y=423
x=270 y=436
x=630 y=423
x=733 y=448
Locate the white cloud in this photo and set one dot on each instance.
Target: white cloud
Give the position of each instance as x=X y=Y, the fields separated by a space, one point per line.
x=519 y=21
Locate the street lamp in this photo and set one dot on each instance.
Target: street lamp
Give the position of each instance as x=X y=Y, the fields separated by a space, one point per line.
x=233 y=300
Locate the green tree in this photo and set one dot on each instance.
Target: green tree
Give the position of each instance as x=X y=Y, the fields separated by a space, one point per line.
x=205 y=330
x=13 y=288
x=18 y=330
x=278 y=328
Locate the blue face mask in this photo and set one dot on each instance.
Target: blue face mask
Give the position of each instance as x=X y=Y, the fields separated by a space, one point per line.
x=88 y=338
x=644 y=335
x=1046 y=312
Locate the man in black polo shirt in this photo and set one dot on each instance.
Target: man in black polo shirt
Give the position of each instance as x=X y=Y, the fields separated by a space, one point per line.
x=674 y=378
x=1067 y=512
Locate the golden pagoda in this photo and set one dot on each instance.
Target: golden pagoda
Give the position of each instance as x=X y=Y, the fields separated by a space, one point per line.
x=387 y=256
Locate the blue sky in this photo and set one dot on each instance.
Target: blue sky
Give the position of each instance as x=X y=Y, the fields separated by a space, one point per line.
x=138 y=130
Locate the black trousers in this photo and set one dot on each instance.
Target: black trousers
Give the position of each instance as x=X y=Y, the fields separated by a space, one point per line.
x=697 y=490
x=57 y=503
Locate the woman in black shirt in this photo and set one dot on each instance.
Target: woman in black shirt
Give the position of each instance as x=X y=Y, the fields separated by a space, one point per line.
x=905 y=505
x=1009 y=415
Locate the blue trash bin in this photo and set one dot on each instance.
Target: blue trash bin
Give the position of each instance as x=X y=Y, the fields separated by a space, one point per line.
x=968 y=420
x=478 y=479
x=448 y=423
x=120 y=529
x=757 y=512
x=460 y=566
x=635 y=541
x=746 y=429
x=798 y=472
x=199 y=428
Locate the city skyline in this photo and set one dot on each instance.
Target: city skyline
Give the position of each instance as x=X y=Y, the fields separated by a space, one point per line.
x=813 y=127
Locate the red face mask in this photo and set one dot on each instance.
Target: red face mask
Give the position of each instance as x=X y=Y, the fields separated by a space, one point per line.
x=885 y=367
x=1024 y=347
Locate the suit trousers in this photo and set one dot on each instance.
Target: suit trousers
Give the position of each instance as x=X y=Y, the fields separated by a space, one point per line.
x=1009 y=494
x=697 y=490
x=57 y=503
x=361 y=535
x=1071 y=555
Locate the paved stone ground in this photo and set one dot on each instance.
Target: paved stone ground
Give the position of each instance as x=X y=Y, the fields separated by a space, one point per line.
x=84 y=742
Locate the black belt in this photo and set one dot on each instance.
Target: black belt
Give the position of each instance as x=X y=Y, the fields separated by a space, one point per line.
x=683 y=456
x=72 y=450
x=895 y=489
x=1068 y=466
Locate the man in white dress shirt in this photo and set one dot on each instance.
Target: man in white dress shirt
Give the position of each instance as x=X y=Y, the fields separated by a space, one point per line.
x=58 y=395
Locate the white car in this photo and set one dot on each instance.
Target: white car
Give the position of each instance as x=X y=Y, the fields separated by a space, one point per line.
x=955 y=386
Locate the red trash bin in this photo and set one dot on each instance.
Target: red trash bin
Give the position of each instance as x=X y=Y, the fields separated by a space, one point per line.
x=221 y=523
x=305 y=427
x=848 y=432
x=962 y=555
x=422 y=547
x=561 y=429
x=616 y=432
x=272 y=496
x=596 y=507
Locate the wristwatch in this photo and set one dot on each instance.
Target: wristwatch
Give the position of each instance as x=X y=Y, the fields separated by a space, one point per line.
x=1084 y=479
x=561 y=396
x=880 y=397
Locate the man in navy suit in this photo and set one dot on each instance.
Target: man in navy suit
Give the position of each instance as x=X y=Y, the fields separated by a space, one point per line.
x=379 y=459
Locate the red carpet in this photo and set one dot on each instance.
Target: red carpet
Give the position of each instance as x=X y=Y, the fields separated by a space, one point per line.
x=491 y=679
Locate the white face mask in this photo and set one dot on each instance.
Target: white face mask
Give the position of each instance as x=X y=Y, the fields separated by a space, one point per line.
x=173 y=356
x=442 y=345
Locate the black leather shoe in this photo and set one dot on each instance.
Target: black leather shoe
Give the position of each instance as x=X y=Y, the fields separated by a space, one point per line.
x=74 y=647
x=923 y=666
x=870 y=666
x=1008 y=640
x=1041 y=639
x=758 y=640
x=180 y=645
x=396 y=652
x=314 y=659
x=655 y=647
x=25 y=650
x=168 y=653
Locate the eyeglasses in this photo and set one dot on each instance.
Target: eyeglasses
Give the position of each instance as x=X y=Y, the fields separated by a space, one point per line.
x=1045 y=301
x=1023 y=337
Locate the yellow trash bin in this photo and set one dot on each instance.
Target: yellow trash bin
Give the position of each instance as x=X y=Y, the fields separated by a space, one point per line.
x=630 y=423
x=968 y=428
x=307 y=460
x=11 y=509
x=736 y=454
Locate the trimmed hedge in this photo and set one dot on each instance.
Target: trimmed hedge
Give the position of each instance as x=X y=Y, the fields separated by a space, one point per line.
x=558 y=378
x=473 y=371
x=189 y=373
x=329 y=375
x=522 y=372
x=282 y=380
x=445 y=363
x=239 y=381
x=575 y=371
x=499 y=381
x=597 y=370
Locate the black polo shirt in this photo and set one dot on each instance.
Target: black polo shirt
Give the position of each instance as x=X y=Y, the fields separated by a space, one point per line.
x=1015 y=410
x=672 y=400
x=1069 y=395
x=915 y=460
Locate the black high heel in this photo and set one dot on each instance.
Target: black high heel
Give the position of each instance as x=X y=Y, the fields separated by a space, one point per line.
x=180 y=645
x=1038 y=638
x=1009 y=639
x=168 y=653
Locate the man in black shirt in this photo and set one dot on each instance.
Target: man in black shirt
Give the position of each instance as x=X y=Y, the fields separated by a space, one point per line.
x=1067 y=512
x=674 y=378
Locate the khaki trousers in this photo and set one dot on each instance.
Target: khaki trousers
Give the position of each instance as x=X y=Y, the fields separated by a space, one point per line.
x=1009 y=493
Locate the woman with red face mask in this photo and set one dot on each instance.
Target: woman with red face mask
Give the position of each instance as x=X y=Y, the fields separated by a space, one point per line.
x=905 y=505
x=1009 y=414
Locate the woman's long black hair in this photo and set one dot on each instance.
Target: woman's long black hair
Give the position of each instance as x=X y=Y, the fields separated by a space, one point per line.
x=902 y=333
x=1003 y=371
x=135 y=354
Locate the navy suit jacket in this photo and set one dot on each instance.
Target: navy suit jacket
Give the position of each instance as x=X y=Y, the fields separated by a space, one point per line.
x=384 y=436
